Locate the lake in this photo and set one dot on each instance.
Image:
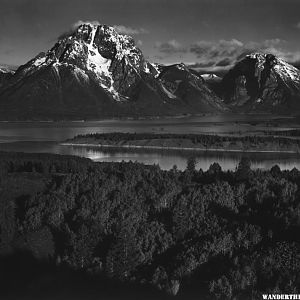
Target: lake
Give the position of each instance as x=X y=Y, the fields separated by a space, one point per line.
x=44 y=137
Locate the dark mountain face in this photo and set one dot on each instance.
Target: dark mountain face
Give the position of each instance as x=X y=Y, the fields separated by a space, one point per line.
x=262 y=82
x=5 y=75
x=96 y=72
x=185 y=85
x=214 y=82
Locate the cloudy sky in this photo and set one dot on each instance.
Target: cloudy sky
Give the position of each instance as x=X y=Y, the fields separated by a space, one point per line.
x=211 y=33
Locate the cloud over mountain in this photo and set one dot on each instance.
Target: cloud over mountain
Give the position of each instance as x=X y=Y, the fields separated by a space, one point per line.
x=225 y=53
x=75 y=25
x=170 y=47
x=129 y=30
x=228 y=51
x=121 y=29
x=80 y=22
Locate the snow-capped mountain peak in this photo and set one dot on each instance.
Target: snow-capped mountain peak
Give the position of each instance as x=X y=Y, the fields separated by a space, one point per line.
x=95 y=71
x=263 y=81
x=94 y=51
x=286 y=71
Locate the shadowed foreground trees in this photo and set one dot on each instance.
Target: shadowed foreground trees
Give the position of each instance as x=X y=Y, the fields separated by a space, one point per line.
x=212 y=235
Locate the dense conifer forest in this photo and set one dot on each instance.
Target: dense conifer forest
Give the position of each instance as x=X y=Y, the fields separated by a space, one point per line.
x=124 y=227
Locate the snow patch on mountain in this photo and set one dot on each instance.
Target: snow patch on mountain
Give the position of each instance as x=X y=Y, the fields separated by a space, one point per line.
x=209 y=76
x=6 y=70
x=157 y=69
x=262 y=81
x=39 y=61
x=286 y=71
x=169 y=94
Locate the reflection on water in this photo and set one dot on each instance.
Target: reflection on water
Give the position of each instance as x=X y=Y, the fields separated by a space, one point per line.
x=166 y=160
x=35 y=137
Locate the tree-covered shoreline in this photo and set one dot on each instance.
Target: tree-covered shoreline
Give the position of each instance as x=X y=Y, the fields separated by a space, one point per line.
x=213 y=234
x=197 y=142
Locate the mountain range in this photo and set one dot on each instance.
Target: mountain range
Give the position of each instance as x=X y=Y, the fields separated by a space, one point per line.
x=95 y=72
x=262 y=82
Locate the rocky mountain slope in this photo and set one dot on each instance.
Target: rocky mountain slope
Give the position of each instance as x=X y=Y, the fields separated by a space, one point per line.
x=213 y=81
x=5 y=74
x=95 y=72
x=187 y=86
x=262 y=82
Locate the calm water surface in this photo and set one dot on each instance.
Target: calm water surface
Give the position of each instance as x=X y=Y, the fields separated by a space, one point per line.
x=44 y=137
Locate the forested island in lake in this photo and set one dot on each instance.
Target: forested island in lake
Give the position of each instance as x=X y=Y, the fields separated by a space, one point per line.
x=188 y=142
x=69 y=225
